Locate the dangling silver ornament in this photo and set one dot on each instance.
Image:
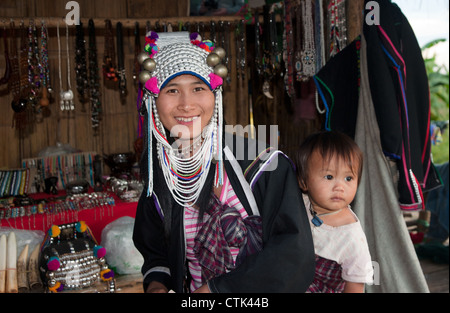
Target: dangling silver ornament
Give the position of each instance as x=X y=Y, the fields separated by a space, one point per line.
x=142 y=57
x=213 y=59
x=149 y=65
x=144 y=76
x=220 y=52
x=221 y=70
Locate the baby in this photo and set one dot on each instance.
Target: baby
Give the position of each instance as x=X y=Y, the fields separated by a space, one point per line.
x=329 y=166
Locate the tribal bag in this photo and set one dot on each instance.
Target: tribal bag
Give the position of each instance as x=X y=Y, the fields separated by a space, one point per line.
x=71 y=259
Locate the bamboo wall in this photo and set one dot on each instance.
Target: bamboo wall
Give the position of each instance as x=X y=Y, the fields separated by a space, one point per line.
x=118 y=127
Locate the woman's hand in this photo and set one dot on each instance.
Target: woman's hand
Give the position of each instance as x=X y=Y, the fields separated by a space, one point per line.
x=156 y=287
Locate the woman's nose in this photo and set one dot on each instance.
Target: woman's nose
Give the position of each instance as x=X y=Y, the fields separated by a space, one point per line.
x=186 y=102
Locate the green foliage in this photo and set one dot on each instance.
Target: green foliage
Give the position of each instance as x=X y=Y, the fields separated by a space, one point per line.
x=438 y=79
x=440 y=151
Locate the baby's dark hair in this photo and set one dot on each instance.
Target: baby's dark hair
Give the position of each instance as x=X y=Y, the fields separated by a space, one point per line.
x=329 y=144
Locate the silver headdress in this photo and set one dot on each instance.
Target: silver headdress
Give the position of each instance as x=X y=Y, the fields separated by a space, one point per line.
x=166 y=56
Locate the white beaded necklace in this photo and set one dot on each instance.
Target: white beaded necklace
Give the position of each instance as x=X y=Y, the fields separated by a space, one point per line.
x=185 y=175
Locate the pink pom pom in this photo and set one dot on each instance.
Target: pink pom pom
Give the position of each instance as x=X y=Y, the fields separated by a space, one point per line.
x=215 y=80
x=53 y=264
x=152 y=85
x=99 y=251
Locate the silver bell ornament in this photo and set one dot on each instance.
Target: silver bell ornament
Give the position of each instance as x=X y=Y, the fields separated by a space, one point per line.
x=220 y=52
x=142 y=57
x=221 y=70
x=213 y=59
x=144 y=76
x=149 y=65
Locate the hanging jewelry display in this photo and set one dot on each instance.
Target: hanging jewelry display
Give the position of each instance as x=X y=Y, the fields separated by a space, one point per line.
x=298 y=42
x=94 y=79
x=23 y=67
x=308 y=53
x=23 y=112
x=14 y=81
x=66 y=96
x=7 y=75
x=33 y=64
x=81 y=66
x=338 y=29
x=258 y=60
x=44 y=68
x=120 y=63
x=109 y=57
x=288 y=43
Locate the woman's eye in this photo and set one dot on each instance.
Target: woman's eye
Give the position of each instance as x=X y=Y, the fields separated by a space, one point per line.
x=198 y=88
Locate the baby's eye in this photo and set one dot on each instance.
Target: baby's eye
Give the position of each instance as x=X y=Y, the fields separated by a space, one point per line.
x=328 y=177
x=348 y=178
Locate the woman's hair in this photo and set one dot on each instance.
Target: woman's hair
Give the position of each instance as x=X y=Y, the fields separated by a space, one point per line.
x=329 y=144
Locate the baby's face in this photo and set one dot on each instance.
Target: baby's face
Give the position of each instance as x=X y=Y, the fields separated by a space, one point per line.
x=331 y=184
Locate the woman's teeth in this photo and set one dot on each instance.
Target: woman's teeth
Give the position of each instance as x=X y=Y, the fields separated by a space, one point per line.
x=186 y=119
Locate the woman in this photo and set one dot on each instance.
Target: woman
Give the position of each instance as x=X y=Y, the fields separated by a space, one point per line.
x=202 y=225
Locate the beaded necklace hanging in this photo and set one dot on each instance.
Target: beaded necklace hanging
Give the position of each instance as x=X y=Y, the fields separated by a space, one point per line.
x=338 y=30
x=23 y=112
x=120 y=63
x=66 y=96
x=94 y=79
x=33 y=63
x=14 y=81
x=109 y=57
x=288 y=43
x=81 y=66
x=44 y=68
x=23 y=67
x=308 y=53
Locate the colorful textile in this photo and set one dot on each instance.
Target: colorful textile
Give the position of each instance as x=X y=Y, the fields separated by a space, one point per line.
x=224 y=229
x=327 y=278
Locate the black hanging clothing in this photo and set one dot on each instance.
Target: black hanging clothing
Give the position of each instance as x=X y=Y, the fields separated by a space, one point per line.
x=338 y=86
x=400 y=93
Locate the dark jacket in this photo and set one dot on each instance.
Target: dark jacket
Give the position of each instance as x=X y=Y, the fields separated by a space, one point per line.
x=286 y=263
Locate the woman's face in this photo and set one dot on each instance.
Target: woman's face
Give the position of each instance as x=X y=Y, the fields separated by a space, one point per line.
x=185 y=106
